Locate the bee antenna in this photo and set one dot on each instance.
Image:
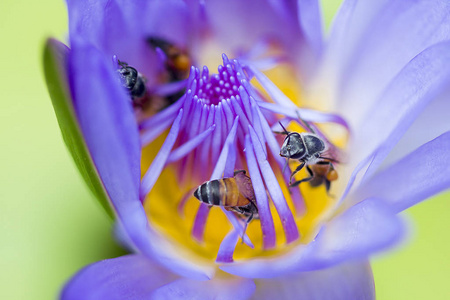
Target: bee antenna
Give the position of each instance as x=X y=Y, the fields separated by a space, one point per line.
x=304 y=123
x=285 y=131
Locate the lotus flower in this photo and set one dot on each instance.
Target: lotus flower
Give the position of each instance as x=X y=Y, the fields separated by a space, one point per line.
x=144 y=143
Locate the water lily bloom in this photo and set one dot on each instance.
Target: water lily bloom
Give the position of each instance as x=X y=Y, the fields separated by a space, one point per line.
x=155 y=98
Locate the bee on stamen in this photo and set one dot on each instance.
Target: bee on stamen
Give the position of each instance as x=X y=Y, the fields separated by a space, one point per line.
x=308 y=148
x=234 y=194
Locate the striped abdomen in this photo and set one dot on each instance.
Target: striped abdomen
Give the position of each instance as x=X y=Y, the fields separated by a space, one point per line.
x=222 y=192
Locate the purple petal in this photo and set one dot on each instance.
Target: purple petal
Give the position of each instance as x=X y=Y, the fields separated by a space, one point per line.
x=182 y=289
x=115 y=27
x=310 y=21
x=363 y=229
x=107 y=121
x=126 y=277
x=408 y=94
x=274 y=147
x=226 y=250
x=232 y=22
x=167 y=19
x=223 y=157
x=306 y=114
x=150 y=135
x=267 y=227
x=400 y=31
x=431 y=123
x=286 y=217
x=189 y=146
x=169 y=113
x=108 y=125
x=152 y=174
x=343 y=282
x=416 y=177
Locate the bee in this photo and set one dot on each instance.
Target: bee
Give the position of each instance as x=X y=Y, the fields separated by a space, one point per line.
x=322 y=173
x=308 y=148
x=134 y=82
x=178 y=61
x=176 y=66
x=234 y=194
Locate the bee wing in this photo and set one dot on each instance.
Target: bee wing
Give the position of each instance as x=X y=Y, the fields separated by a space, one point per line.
x=245 y=186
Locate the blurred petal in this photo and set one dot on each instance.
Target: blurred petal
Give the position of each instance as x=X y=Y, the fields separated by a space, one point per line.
x=243 y=24
x=236 y=289
x=416 y=177
x=111 y=134
x=168 y=19
x=431 y=123
x=310 y=21
x=424 y=78
x=107 y=121
x=116 y=27
x=55 y=69
x=126 y=277
x=379 y=54
x=363 y=229
x=342 y=282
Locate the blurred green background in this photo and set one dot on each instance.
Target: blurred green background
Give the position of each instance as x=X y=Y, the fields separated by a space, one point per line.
x=51 y=226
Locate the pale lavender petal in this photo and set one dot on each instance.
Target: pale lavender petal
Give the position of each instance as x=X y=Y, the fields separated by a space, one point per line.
x=226 y=250
x=310 y=21
x=431 y=123
x=236 y=29
x=273 y=91
x=421 y=174
x=347 y=29
x=306 y=114
x=365 y=228
x=350 y=281
x=189 y=146
x=158 y=163
x=126 y=277
x=198 y=229
x=408 y=94
x=380 y=54
x=182 y=289
x=267 y=226
x=287 y=219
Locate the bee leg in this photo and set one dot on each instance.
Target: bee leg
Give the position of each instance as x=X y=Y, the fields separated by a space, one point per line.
x=281 y=132
x=296 y=171
x=245 y=227
x=304 y=124
x=327 y=186
x=311 y=176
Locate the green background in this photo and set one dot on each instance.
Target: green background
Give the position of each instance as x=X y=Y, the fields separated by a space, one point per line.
x=50 y=224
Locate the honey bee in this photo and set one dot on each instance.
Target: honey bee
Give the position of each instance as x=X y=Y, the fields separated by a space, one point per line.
x=176 y=66
x=234 y=194
x=322 y=173
x=134 y=82
x=308 y=148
